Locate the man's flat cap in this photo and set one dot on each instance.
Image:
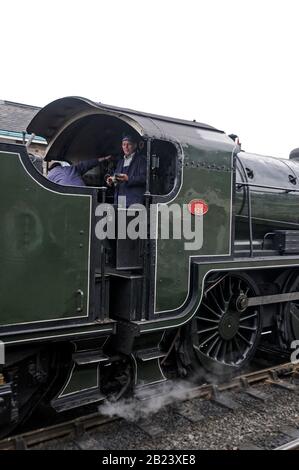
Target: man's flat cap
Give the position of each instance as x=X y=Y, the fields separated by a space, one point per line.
x=129 y=138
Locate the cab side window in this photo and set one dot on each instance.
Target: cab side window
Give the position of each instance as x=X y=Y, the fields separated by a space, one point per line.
x=163 y=167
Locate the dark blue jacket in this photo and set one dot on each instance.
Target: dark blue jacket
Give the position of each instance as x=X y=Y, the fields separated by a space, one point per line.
x=134 y=188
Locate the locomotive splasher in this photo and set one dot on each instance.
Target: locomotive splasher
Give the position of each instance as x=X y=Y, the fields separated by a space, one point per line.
x=81 y=318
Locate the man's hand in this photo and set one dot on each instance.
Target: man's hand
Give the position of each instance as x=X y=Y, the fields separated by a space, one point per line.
x=102 y=159
x=122 y=177
x=109 y=181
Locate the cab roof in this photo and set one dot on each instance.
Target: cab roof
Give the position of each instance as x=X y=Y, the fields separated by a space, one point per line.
x=56 y=115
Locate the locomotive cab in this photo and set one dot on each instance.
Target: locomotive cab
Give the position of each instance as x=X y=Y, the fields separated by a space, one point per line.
x=77 y=129
x=84 y=132
x=100 y=135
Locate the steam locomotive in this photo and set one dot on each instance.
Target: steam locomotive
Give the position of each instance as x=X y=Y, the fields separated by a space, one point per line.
x=82 y=319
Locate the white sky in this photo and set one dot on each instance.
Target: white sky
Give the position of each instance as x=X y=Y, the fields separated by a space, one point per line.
x=232 y=64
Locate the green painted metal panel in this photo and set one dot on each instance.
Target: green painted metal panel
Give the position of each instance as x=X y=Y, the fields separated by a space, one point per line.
x=207 y=175
x=82 y=378
x=44 y=248
x=271 y=208
x=205 y=268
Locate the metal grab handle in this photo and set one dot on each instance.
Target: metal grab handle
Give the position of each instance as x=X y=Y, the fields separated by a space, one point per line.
x=81 y=297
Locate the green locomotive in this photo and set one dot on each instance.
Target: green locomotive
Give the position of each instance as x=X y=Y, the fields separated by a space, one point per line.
x=82 y=318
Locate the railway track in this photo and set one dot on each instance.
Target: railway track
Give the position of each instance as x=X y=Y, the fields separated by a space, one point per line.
x=276 y=376
x=292 y=445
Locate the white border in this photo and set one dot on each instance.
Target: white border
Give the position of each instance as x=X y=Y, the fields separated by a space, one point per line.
x=89 y=247
x=159 y=364
x=157 y=312
x=97 y=386
x=228 y=269
x=60 y=335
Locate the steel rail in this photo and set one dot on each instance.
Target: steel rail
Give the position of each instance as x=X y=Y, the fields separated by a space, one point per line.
x=292 y=445
x=82 y=424
x=58 y=431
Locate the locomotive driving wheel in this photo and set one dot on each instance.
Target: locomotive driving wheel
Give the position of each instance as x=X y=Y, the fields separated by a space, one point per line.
x=288 y=316
x=225 y=331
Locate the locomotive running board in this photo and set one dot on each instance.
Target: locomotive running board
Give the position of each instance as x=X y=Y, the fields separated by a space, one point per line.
x=83 y=398
x=272 y=299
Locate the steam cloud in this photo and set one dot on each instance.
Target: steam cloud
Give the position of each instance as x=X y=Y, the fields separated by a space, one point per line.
x=147 y=402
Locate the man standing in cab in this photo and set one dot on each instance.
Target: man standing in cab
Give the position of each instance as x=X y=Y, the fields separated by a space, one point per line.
x=130 y=174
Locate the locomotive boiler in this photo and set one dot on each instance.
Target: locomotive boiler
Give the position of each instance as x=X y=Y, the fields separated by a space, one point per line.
x=82 y=318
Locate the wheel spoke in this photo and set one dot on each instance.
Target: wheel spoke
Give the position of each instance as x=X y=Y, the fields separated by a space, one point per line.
x=230 y=349
x=221 y=296
x=237 y=344
x=208 y=339
x=216 y=302
x=248 y=316
x=213 y=328
x=223 y=352
x=215 y=355
x=294 y=314
x=210 y=309
x=243 y=338
x=206 y=319
x=230 y=288
x=250 y=328
x=212 y=345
